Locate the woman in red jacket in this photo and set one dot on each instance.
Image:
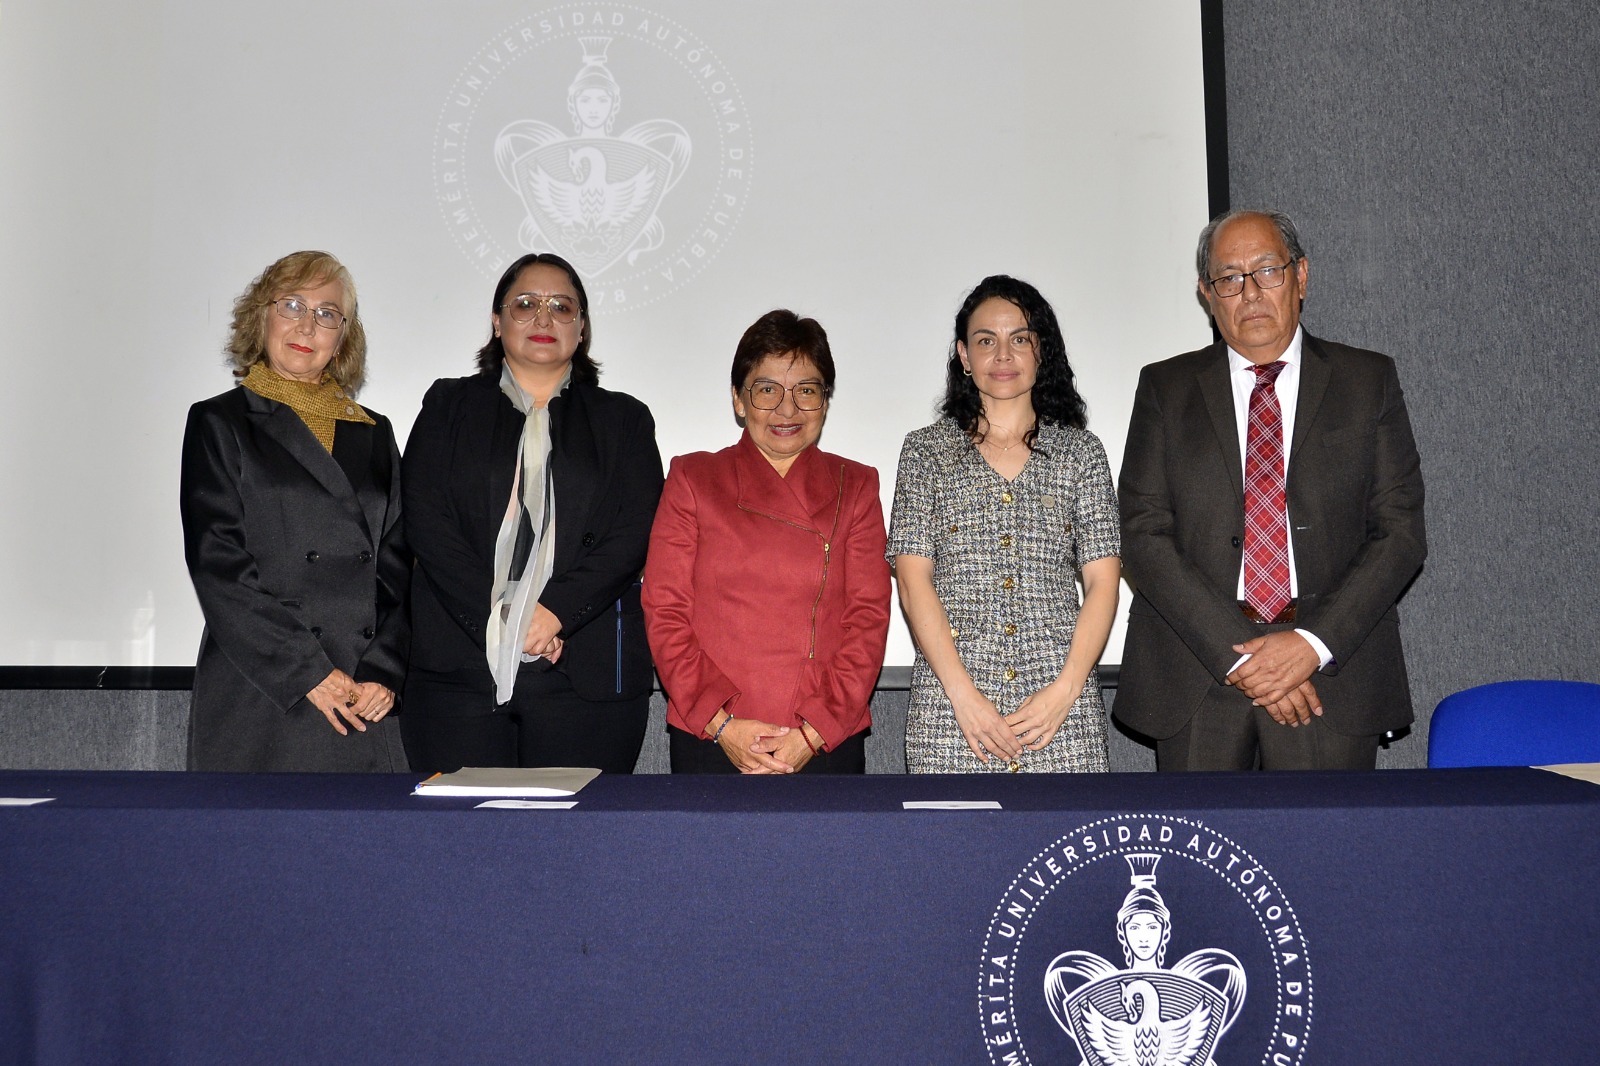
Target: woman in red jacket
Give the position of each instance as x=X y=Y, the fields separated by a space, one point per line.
x=766 y=593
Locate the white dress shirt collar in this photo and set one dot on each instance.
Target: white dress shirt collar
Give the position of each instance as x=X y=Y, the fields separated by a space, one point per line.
x=1291 y=354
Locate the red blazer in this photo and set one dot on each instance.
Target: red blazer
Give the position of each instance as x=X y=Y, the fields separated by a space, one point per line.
x=768 y=595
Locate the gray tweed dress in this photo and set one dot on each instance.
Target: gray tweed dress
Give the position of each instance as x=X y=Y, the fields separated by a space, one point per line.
x=1006 y=556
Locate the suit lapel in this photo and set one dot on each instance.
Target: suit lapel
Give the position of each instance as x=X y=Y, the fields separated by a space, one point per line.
x=1217 y=392
x=279 y=423
x=764 y=492
x=373 y=489
x=576 y=457
x=1314 y=376
x=818 y=486
x=504 y=423
x=353 y=444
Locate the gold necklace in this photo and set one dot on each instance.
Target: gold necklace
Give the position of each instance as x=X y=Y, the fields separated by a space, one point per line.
x=1004 y=449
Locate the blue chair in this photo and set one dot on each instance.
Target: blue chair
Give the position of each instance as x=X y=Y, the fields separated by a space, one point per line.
x=1517 y=723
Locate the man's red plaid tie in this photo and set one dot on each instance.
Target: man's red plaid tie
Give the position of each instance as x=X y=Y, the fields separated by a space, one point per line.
x=1266 y=524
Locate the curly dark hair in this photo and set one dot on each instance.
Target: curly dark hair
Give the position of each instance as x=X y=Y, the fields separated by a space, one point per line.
x=490 y=357
x=1055 y=397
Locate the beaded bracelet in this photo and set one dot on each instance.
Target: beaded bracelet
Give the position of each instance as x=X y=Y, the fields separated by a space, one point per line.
x=720 y=728
x=807 y=738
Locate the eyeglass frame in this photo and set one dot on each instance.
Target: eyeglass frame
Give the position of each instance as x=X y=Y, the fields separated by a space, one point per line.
x=788 y=390
x=1251 y=276
x=309 y=310
x=541 y=302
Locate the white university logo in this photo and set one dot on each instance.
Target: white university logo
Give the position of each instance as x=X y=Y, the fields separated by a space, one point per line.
x=1126 y=884
x=607 y=134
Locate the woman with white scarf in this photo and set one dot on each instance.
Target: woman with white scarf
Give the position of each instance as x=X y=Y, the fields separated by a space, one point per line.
x=529 y=491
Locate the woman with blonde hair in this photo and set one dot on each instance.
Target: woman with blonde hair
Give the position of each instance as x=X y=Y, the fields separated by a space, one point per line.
x=290 y=497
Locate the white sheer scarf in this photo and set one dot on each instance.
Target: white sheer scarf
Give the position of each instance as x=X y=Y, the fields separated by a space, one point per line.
x=524 y=550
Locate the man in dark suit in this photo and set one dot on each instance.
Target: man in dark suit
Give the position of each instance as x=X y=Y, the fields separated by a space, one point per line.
x=1271 y=501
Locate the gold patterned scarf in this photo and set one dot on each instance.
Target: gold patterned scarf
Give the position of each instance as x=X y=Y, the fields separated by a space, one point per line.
x=319 y=406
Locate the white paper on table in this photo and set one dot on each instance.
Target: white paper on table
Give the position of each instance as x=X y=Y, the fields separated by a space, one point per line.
x=1583 y=771
x=538 y=781
x=23 y=801
x=529 y=805
x=951 y=805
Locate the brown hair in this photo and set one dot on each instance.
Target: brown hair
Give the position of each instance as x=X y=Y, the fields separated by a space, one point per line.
x=782 y=332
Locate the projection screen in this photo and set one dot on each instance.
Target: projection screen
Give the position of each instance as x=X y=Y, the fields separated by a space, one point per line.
x=861 y=162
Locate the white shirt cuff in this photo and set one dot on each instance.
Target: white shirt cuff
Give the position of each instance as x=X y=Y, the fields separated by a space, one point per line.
x=1323 y=654
x=1320 y=648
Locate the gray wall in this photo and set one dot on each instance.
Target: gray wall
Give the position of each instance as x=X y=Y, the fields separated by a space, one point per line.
x=1441 y=161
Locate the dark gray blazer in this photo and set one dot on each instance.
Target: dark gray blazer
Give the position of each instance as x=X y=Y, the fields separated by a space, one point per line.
x=300 y=566
x=1355 y=498
x=460 y=462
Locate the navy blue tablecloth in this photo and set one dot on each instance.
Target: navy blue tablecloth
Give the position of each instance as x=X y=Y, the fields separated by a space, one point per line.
x=1422 y=916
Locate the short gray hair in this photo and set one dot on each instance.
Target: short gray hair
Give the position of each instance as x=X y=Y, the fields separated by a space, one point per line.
x=1286 y=230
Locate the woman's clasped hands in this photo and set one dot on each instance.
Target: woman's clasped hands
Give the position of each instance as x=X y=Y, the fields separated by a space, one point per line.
x=758 y=747
x=1030 y=728
x=340 y=696
x=544 y=635
x=1037 y=718
x=984 y=727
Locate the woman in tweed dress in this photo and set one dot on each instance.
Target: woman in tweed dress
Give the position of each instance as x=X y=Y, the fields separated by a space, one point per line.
x=999 y=508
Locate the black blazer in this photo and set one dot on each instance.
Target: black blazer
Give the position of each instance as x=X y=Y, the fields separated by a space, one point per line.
x=299 y=564
x=460 y=462
x=1355 y=499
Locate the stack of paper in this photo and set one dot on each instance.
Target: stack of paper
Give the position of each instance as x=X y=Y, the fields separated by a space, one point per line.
x=508 y=781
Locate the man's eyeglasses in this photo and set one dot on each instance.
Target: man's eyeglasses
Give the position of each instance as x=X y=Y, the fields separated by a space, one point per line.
x=1267 y=277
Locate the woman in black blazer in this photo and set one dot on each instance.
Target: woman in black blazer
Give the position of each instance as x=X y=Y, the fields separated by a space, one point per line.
x=290 y=496
x=529 y=642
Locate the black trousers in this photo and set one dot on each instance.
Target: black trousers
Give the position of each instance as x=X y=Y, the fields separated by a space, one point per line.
x=697 y=755
x=445 y=725
x=1229 y=733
